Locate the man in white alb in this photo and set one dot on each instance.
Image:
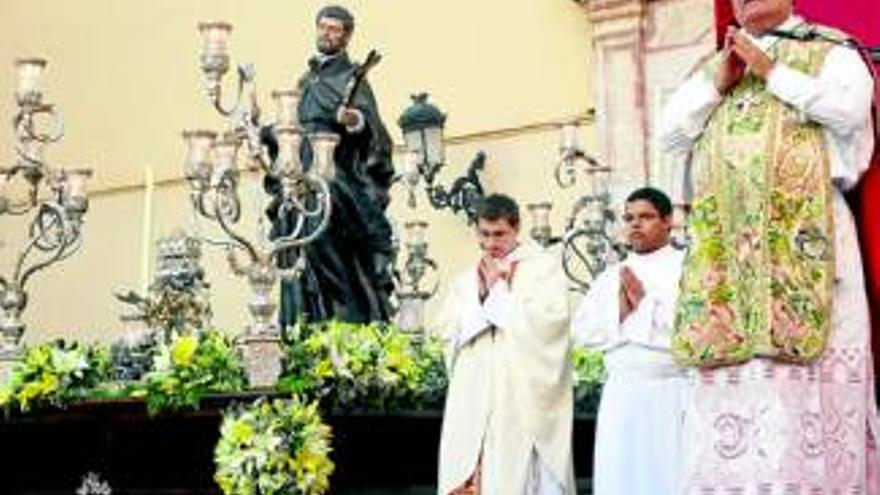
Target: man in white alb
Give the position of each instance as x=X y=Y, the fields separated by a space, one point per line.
x=508 y=417
x=627 y=313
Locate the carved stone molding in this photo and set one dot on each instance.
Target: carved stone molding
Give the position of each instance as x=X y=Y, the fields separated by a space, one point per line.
x=641 y=50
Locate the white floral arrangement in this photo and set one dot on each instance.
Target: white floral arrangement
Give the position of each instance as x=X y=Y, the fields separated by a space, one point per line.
x=278 y=447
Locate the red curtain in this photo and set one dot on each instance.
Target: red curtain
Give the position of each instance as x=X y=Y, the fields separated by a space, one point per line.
x=723 y=18
x=860 y=18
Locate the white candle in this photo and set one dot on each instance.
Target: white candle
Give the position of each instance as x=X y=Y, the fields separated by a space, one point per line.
x=286 y=101
x=29 y=85
x=4 y=201
x=323 y=144
x=147 y=229
x=215 y=35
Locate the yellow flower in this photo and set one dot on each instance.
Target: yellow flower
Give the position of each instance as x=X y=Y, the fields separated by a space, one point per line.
x=29 y=392
x=5 y=396
x=309 y=464
x=48 y=383
x=183 y=350
x=241 y=432
x=324 y=368
x=398 y=359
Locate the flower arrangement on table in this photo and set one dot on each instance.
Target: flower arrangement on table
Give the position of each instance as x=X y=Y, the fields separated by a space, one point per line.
x=278 y=447
x=54 y=374
x=189 y=367
x=376 y=366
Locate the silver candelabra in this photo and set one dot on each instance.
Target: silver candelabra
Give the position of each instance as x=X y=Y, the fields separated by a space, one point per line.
x=587 y=240
x=213 y=170
x=56 y=197
x=417 y=279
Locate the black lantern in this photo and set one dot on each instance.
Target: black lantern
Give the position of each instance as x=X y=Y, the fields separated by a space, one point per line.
x=422 y=125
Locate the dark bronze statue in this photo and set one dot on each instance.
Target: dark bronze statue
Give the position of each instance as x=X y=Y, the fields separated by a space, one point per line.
x=346 y=273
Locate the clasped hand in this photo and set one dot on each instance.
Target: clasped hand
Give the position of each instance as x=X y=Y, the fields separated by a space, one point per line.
x=495 y=269
x=631 y=292
x=738 y=56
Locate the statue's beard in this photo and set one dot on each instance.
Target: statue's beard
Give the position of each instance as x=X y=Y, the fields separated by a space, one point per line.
x=327 y=49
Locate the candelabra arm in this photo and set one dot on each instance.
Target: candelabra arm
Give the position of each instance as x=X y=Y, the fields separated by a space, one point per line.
x=292 y=240
x=216 y=242
x=246 y=74
x=58 y=217
x=70 y=248
x=202 y=207
x=235 y=236
x=238 y=268
x=569 y=250
x=24 y=157
x=24 y=125
x=566 y=168
x=430 y=263
x=258 y=161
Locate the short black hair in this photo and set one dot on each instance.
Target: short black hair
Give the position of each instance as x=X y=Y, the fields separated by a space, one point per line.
x=654 y=196
x=339 y=13
x=497 y=207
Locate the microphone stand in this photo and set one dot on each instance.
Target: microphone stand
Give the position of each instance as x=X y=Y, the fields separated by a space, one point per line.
x=813 y=34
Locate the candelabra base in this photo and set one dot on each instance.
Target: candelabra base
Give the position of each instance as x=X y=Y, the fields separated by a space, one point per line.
x=262 y=355
x=411 y=313
x=9 y=358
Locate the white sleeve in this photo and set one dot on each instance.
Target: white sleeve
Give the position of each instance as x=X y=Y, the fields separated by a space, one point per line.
x=498 y=306
x=686 y=112
x=473 y=322
x=839 y=97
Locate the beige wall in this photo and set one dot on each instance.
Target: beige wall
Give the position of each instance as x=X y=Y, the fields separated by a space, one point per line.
x=124 y=73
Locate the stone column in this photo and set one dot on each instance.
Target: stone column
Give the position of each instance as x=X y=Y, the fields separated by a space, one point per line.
x=618 y=48
x=642 y=50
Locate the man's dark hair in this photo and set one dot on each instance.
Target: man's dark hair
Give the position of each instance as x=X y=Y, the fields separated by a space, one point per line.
x=654 y=196
x=339 y=13
x=496 y=207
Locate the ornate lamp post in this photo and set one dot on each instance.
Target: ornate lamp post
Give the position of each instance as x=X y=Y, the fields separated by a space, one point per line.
x=56 y=196
x=213 y=169
x=422 y=125
x=587 y=240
